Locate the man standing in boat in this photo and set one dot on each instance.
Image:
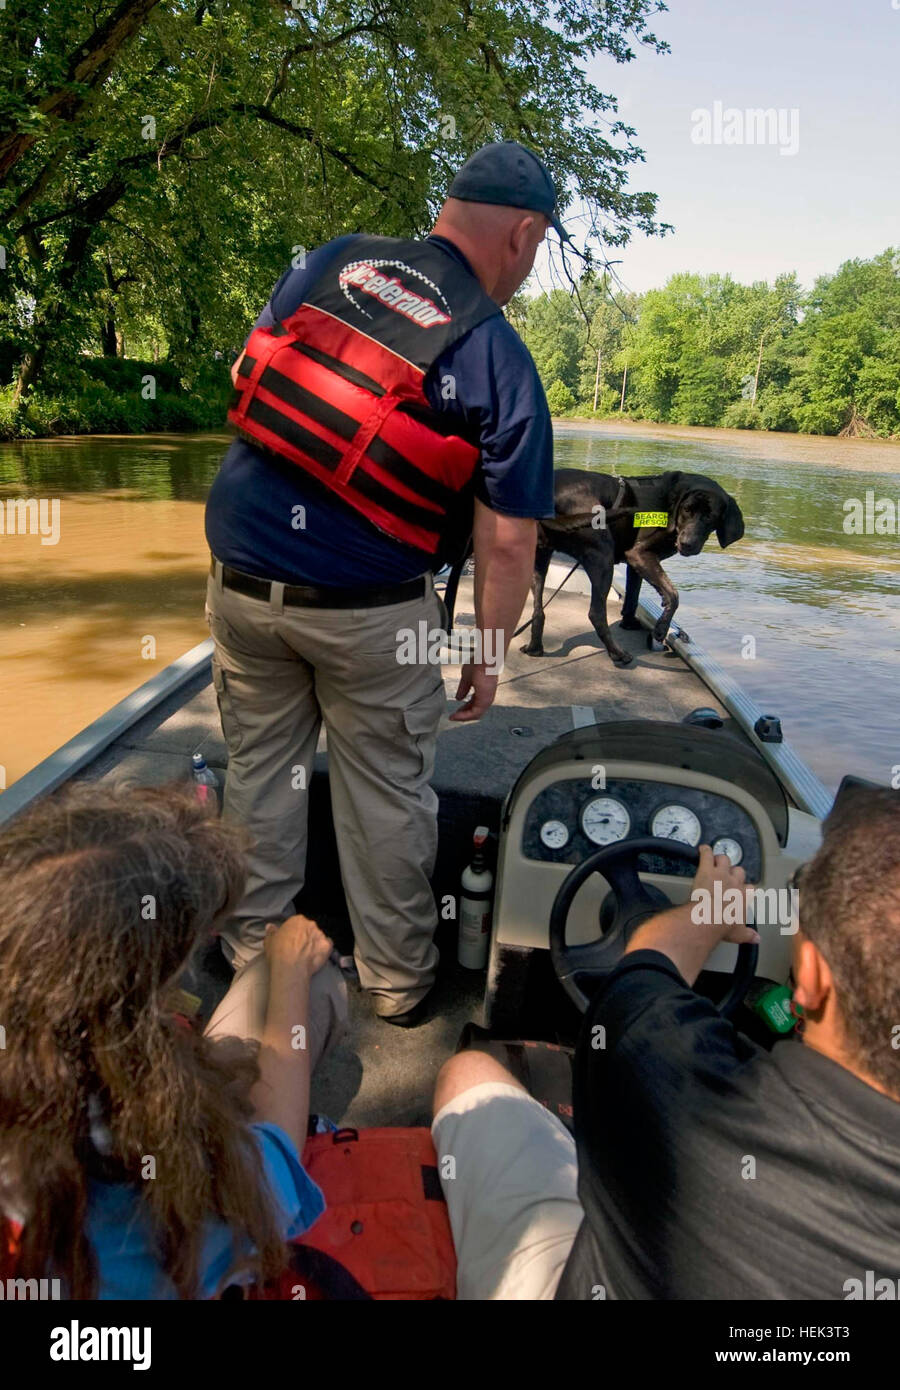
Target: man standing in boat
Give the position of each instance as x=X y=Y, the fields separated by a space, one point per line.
x=385 y=411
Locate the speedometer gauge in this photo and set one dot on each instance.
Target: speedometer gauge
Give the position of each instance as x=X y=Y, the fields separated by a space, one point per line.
x=605 y=820
x=726 y=845
x=676 y=823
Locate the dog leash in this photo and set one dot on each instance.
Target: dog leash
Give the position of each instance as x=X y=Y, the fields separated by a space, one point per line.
x=549 y=600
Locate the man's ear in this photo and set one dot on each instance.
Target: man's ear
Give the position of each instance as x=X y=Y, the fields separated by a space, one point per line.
x=520 y=232
x=812 y=975
x=731 y=527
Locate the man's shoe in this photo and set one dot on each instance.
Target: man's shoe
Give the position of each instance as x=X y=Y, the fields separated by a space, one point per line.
x=411 y=1018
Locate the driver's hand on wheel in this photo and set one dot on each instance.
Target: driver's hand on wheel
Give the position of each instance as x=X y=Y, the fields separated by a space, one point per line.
x=689 y=932
x=721 y=908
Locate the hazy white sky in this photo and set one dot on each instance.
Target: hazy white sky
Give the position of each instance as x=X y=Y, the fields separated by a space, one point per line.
x=748 y=209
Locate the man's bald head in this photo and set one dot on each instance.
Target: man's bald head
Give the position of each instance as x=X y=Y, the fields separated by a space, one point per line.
x=499 y=242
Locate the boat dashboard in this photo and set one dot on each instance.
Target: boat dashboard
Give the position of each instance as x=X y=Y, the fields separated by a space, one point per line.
x=568 y=820
x=627 y=780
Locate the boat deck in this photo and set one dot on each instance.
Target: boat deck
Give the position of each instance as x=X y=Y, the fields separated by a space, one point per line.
x=379 y=1074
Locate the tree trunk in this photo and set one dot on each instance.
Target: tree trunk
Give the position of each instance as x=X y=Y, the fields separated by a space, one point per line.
x=857 y=427
x=108 y=336
x=30 y=370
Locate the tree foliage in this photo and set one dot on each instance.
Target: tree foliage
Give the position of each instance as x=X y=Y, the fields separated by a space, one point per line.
x=705 y=350
x=162 y=161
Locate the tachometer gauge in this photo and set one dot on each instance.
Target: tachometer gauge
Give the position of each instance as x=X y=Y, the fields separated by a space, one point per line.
x=605 y=820
x=676 y=823
x=554 y=834
x=726 y=845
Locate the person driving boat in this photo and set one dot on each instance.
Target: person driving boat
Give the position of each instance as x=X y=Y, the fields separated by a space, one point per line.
x=703 y=1166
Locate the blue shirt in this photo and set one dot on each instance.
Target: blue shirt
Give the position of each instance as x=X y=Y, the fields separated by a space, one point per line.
x=120 y=1232
x=251 y=523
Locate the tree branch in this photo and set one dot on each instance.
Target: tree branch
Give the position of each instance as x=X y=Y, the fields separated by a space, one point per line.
x=87 y=68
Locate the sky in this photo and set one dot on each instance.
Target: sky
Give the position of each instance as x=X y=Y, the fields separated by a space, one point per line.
x=747 y=209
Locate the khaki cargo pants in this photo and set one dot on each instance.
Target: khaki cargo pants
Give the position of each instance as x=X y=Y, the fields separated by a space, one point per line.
x=279 y=671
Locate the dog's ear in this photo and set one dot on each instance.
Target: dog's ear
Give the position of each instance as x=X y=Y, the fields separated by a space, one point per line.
x=731 y=527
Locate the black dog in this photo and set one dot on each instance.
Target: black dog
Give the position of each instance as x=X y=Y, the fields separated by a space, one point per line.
x=599 y=522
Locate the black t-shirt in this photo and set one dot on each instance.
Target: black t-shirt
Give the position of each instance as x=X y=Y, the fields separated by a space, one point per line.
x=712 y=1169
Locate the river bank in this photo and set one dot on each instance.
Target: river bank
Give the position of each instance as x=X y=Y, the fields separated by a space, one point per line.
x=865 y=455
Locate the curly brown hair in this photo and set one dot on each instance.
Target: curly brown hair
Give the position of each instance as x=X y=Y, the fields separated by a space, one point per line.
x=105 y=892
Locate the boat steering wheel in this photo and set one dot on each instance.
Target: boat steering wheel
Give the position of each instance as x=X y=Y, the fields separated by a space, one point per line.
x=633 y=903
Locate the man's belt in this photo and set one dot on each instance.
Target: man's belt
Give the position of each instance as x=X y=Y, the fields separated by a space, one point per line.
x=312 y=596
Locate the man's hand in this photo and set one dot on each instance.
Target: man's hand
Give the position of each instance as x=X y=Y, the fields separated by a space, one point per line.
x=483 y=688
x=296 y=947
x=688 y=933
x=715 y=868
x=504 y=549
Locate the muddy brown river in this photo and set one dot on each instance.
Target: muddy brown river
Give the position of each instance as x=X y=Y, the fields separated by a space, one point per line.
x=113 y=589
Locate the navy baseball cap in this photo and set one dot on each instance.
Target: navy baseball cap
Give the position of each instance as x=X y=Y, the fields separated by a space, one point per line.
x=511 y=176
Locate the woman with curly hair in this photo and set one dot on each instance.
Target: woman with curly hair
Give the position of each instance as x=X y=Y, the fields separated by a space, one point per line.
x=142 y=1159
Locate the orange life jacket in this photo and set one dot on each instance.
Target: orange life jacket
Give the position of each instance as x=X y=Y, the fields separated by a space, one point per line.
x=337 y=387
x=385 y=1233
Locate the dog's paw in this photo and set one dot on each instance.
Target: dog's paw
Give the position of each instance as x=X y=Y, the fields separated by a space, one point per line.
x=654 y=643
x=629 y=624
x=530 y=649
x=622 y=658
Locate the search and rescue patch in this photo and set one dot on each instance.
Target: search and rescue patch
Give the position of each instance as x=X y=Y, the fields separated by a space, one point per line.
x=365 y=276
x=651 y=518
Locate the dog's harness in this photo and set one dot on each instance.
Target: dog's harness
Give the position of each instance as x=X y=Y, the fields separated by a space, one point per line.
x=620 y=495
x=641 y=518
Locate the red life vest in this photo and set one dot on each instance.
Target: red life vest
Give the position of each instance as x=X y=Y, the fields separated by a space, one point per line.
x=385 y=1232
x=336 y=388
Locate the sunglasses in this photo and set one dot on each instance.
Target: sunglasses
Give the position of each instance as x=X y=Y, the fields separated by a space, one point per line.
x=797 y=875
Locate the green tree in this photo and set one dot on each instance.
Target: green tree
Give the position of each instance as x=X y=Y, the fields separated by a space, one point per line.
x=559 y=398
x=553 y=334
x=847 y=351
x=163 y=161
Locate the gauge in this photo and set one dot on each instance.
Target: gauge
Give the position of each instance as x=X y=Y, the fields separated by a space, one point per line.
x=605 y=820
x=676 y=823
x=725 y=845
x=554 y=834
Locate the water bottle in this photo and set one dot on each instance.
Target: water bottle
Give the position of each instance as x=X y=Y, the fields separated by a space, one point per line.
x=207 y=787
